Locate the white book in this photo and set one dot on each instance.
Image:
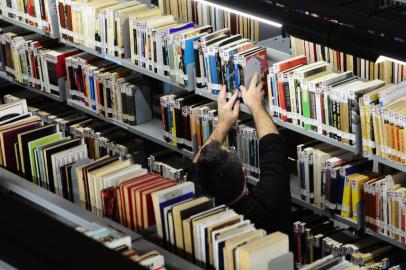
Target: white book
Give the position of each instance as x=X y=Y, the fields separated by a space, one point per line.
x=245 y=224
x=62 y=158
x=199 y=235
x=165 y=195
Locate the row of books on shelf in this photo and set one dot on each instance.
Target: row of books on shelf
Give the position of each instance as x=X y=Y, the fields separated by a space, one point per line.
x=164 y=45
x=45 y=140
x=34 y=60
x=345 y=185
x=107 y=89
x=383 y=122
x=337 y=105
x=204 y=14
x=387 y=71
x=33 y=13
x=150 y=260
x=121 y=189
x=189 y=119
x=320 y=244
x=308 y=95
x=317 y=98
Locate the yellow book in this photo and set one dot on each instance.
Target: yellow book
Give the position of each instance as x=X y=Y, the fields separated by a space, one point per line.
x=357 y=188
x=187 y=226
x=177 y=218
x=257 y=254
x=346 y=203
x=233 y=243
x=228 y=222
x=396 y=199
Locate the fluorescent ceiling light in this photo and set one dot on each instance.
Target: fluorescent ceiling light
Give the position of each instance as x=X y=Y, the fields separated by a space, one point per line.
x=385 y=58
x=240 y=13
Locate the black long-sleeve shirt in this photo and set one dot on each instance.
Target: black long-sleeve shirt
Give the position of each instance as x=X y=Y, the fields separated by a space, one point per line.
x=268 y=205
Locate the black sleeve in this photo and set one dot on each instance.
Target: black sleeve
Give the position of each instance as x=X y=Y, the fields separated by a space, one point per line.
x=273 y=188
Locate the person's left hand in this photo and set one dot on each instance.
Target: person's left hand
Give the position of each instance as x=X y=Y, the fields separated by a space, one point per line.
x=227 y=111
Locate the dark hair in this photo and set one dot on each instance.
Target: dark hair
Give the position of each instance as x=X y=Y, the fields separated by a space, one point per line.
x=219 y=173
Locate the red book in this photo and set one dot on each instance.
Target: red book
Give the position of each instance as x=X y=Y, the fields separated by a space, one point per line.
x=136 y=204
x=147 y=217
x=283 y=67
x=126 y=197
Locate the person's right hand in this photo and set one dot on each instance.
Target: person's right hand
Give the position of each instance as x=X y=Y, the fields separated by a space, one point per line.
x=253 y=96
x=228 y=111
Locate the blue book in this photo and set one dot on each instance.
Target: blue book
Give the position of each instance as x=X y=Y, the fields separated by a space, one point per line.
x=347 y=170
x=92 y=94
x=275 y=92
x=214 y=74
x=189 y=53
x=236 y=76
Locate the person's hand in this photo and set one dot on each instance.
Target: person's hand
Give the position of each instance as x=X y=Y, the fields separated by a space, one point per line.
x=227 y=111
x=253 y=96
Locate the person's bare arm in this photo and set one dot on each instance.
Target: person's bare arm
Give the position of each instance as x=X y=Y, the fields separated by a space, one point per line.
x=253 y=99
x=227 y=114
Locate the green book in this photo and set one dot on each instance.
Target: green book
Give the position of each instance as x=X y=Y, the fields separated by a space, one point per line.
x=306 y=103
x=32 y=145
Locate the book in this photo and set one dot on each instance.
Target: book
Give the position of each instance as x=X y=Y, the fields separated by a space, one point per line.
x=258 y=253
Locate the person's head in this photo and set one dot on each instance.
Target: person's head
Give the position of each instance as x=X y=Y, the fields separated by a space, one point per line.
x=220 y=173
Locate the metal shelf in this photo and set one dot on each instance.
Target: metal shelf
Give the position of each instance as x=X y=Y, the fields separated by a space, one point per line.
x=80 y=216
x=151 y=130
x=316 y=136
x=296 y=200
x=393 y=164
x=54 y=35
x=385 y=238
x=56 y=204
x=323 y=212
x=289 y=126
x=60 y=98
x=125 y=63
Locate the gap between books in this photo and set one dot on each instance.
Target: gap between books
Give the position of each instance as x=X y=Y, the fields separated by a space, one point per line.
x=4 y=76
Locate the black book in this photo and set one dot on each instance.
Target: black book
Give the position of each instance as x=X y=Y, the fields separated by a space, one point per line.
x=48 y=152
x=23 y=141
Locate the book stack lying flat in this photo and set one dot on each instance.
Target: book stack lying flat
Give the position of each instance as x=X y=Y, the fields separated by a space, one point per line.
x=203 y=14
x=169 y=164
x=34 y=13
x=387 y=71
x=107 y=89
x=383 y=122
x=152 y=260
x=212 y=236
x=333 y=179
x=34 y=60
x=319 y=244
x=189 y=119
x=317 y=98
